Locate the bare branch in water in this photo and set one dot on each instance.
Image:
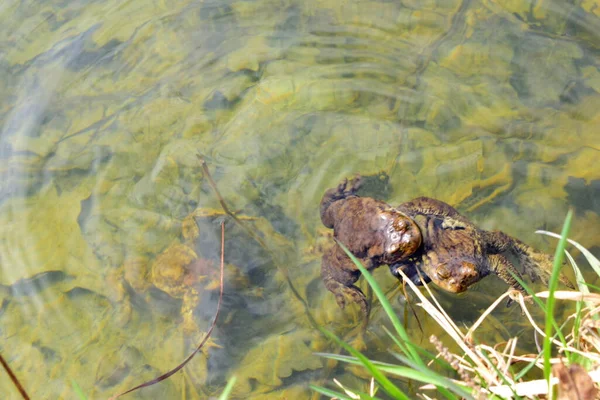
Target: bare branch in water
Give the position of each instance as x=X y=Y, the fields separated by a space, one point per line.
x=13 y=378
x=260 y=241
x=226 y=209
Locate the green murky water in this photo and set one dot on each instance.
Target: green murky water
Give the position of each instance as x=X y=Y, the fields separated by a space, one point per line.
x=492 y=106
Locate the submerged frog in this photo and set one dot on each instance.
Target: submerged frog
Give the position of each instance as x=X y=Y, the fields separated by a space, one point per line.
x=181 y=272
x=423 y=237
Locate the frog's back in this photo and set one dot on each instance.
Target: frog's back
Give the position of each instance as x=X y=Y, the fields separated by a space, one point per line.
x=356 y=222
x=453 y=258
x=449 y=242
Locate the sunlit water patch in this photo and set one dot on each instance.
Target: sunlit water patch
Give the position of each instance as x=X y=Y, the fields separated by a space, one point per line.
x=492 y=106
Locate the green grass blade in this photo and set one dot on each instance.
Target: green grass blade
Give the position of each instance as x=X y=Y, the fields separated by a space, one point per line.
x=77 y=390
x=553 y=284
x=338 y=395
x=541 y=304
x=383 y=381
x=228 y=388
x=527 y=368
x=444 y=384
x=596 y=288
x=412 y=372
x=579 y=279
x=409 y=348
x=428 y=355
x=330 y=393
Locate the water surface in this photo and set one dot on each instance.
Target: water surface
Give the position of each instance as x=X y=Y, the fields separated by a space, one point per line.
x=491 y=106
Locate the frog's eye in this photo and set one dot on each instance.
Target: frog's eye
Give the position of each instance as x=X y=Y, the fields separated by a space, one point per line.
x=442 y=272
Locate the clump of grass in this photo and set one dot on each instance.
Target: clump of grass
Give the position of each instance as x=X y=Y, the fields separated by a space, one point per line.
x=485 y=371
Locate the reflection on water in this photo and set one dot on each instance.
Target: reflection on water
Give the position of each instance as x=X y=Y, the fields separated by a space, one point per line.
x=104 y=106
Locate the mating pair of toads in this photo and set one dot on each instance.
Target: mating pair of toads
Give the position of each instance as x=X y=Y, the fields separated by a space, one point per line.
x=423 y=238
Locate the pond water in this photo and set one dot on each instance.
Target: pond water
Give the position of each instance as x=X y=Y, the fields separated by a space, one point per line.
x=491 y=106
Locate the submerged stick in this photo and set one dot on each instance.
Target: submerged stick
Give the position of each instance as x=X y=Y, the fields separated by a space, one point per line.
x=208 y=333
x=260 y=241
x=14 y=378
x=213 y=185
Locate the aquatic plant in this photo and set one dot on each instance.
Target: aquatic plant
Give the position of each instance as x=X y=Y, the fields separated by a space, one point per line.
x=483 y=371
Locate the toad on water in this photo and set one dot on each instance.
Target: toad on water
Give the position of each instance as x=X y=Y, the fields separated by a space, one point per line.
x=422 y=237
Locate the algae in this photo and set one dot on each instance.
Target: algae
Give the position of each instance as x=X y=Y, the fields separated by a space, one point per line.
x=490 y=106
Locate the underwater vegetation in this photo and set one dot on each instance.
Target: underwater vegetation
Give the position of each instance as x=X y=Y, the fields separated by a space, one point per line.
x=110 y=225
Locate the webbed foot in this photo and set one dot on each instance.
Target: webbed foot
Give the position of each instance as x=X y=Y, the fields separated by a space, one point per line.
x=539 y=266
x=347 y=188
x=344 y=293
x=514 y=296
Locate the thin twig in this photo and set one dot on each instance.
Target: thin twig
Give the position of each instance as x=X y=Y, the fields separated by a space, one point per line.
x=206 y=337
x=485 y=314
x=13 y=378
x=259 y=240
x=224 y=205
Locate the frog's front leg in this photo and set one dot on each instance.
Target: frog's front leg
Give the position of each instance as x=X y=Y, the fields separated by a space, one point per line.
x=412 y=270
x=339 y=276
x=536 y=264
x=506 y=271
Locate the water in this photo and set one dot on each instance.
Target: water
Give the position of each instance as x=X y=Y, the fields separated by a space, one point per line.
x=104 y=106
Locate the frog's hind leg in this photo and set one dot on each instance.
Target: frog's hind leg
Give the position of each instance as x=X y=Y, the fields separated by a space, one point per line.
x=344 y=190
x=538 y=265
x=339 y=276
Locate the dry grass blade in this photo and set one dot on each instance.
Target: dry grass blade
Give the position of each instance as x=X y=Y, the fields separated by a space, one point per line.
x=446 y=323
x=537 y=387
x=485 y=314
x=447 y=318
x=571 y=295
x=532 y=322
x=557 y=343
x=594 y=262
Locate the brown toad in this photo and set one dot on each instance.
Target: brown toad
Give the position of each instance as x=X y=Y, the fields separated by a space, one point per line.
x=437 y=243
x=375 y=232
x=455 y=253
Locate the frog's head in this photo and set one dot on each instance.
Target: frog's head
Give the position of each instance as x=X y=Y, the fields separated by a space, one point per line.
x=455 y=278
x=401 y=234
